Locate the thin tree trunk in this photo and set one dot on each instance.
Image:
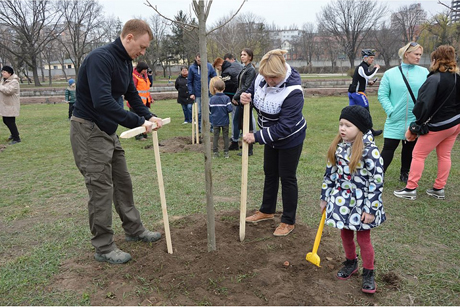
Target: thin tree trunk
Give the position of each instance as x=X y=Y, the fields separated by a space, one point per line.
x=205 y=130
x=35 y=72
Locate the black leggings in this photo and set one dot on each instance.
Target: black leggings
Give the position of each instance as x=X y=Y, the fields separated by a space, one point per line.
x=10 y=122
x=388 y=151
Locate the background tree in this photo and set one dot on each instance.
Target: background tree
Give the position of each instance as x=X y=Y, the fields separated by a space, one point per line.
x=245 y=30
x=34 y=24
x=184 y=38
x=308 y=44
x=408 y=20
x=349 y=21
x=83 y=23
x=253 y=34
x=154 y=54
x=440 y=31
x=386 y=44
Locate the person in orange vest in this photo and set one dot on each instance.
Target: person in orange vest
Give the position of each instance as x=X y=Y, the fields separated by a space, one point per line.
x=142 y=84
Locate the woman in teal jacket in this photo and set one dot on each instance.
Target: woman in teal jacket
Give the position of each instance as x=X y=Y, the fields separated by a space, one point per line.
x=398 y=104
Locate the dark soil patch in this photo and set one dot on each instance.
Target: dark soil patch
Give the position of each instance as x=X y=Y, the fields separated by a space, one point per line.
x=177 y=144
x=252 y=272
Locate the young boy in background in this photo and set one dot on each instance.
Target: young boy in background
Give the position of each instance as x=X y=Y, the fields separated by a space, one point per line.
x=220 y=106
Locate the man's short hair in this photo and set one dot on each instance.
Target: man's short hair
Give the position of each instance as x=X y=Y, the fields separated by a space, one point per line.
x=229 y=56
x=136 y=27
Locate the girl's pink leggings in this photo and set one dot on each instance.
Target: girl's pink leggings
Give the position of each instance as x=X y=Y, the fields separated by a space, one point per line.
x=364 y=241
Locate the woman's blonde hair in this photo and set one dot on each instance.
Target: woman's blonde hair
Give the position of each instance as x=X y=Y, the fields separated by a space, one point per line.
x=356 y=151
x=273 y=64
x=444 y=57
x=410 y=47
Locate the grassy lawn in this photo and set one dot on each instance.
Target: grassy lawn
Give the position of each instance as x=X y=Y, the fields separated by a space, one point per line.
x=43 y=217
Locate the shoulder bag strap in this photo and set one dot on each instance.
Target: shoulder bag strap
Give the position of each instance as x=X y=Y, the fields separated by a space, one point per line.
x=408 y=86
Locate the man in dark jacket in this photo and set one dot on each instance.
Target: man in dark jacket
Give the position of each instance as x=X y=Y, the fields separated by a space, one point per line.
x=194 y=82
x=104 y=76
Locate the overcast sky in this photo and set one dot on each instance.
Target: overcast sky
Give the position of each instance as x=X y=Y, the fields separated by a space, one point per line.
x=282 y=13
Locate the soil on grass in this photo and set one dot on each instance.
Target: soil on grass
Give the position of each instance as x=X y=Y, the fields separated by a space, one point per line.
x=252 y=272
x=179 y=144
x=261 y=270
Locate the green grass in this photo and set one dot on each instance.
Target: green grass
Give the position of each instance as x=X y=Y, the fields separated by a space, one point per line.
x=43 y=218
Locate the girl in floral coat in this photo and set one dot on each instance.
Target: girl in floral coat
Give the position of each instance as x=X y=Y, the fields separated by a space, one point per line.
x=352 y=191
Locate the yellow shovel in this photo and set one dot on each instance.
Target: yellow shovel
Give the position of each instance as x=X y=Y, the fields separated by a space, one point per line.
x=313 y=256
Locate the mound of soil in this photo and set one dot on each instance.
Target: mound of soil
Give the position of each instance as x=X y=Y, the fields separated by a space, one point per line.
x=252 y=272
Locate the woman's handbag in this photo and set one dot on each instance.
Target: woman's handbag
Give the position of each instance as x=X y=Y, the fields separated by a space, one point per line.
x=422 y=129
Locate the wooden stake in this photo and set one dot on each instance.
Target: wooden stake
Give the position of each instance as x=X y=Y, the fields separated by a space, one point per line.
x=196 y=135
x=193 y=122
x=244 y=174
x=162 y=191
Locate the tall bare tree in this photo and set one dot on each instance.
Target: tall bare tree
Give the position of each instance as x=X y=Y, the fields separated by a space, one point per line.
x=408 y=20
x=308 y=43
x=349 y=21
x=386 y=44
x=83 y=23
x=155 y=53
x=34 y=24
x=246 y=30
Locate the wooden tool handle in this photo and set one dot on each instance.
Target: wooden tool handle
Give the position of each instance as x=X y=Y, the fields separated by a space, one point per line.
x=244 y=174
x=162 y=191
x=136 y=131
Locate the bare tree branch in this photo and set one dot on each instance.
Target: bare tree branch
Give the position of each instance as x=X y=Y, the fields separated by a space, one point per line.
x=195 y=9
x=230 y=19
x=449 y=7
x=174 y=21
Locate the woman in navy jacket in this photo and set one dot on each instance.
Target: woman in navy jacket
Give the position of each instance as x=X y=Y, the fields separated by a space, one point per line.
x=277 y=96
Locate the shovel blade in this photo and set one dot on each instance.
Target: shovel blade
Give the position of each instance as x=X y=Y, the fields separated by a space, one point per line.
x=313 y=258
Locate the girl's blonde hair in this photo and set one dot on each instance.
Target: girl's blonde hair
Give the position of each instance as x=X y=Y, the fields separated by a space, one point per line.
x=216 y=84
x=444 y=57
x=356 y=151
x=273 y=64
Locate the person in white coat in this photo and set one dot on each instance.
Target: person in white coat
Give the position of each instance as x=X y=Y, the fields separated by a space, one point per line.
x=9 y=102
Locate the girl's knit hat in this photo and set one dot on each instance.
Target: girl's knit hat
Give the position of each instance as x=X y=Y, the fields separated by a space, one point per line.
x=71 y=81
x=358 y=116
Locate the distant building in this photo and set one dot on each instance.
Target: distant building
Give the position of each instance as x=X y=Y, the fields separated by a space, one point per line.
x=284 y=39
x=455 y=13
x=57 y=65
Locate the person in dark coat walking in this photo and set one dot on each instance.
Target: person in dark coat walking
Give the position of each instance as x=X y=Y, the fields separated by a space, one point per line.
x=183 y=95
